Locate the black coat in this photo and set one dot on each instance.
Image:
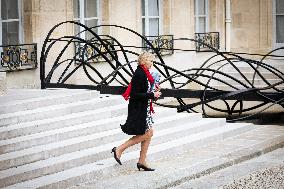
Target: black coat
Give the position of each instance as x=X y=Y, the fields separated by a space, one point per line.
x=137 y=107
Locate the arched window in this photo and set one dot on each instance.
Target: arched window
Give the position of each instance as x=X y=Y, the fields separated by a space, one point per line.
x=86 y=12
x=11 y=22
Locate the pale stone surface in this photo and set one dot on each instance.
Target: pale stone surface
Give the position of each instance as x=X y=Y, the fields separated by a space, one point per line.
x=27 y=79
x=268 y=178
x=3 y=83
x=167 y=16
x=262 y=172
x=193 y=168
x=182 y=27
x=251 y=26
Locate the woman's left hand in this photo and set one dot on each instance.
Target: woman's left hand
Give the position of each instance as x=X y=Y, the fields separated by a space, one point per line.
x=157 y=88
x=157 y=94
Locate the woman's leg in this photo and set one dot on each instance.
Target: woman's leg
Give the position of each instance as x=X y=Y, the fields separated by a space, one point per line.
x=144 y=148
x=133 y=140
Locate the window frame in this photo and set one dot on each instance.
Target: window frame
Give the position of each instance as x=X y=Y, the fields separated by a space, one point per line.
x=82 y=17
x=20 y=20
x=275 y=44
x=147 y=17
x=197 y=16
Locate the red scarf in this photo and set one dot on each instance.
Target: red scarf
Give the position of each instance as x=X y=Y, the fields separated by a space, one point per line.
x=150 y=78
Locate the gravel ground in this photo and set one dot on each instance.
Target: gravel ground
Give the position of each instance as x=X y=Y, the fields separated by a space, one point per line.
x=272 y=178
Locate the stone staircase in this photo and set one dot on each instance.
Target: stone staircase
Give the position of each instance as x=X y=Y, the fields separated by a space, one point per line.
x=63 y=138
x=248 y=72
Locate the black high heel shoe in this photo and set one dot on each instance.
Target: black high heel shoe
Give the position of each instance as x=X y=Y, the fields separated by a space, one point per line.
x=141 y=166
x=115 y=156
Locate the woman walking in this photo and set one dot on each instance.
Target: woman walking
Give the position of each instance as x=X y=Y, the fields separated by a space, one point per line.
x=139 y=120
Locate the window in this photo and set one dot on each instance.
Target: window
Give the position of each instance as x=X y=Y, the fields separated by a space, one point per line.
x=10 y=22
x=201 y=16
x=279 y=22
x=151 y=17
x=86 y=12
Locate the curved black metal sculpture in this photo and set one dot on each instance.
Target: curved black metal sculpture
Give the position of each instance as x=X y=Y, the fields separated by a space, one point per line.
x=219 y=78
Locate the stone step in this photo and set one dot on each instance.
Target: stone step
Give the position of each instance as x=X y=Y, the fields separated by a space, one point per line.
x=243 y=66
x=45 y=151
x=254 y=173
x=48 y=124
x=249 y=69
x=249 y=75
x=249 y=72
x=186 y=166
x=22 y=94
x=101 y=168
x=275 y=63
x=257 y=82
x=90 y=155
x=64 y=133
x=228 y=88
x=58 y=110
x=46 y=100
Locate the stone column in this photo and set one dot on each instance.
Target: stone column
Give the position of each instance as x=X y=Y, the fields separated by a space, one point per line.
x=182 y=22
x=105 y=9
x=217 y=20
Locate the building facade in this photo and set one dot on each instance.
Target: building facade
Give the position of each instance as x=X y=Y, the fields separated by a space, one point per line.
x=251 y=26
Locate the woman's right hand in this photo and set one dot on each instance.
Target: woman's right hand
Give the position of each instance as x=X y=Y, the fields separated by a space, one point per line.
x=157 y=94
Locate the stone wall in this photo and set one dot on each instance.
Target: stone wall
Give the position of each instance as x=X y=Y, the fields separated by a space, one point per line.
x=251 y=26
x=182 y=22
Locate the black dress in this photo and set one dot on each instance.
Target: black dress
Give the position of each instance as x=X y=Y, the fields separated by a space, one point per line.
x=138 y=102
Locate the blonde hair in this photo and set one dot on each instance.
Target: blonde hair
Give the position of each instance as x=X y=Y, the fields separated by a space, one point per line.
x=145 y=57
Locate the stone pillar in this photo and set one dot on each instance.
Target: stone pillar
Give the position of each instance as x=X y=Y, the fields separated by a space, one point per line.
x=167 y=17
x=266 y=26
x=181 y=27
x=105 y=8
x=217 y=20
x=3 y=83
x=130 y=19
